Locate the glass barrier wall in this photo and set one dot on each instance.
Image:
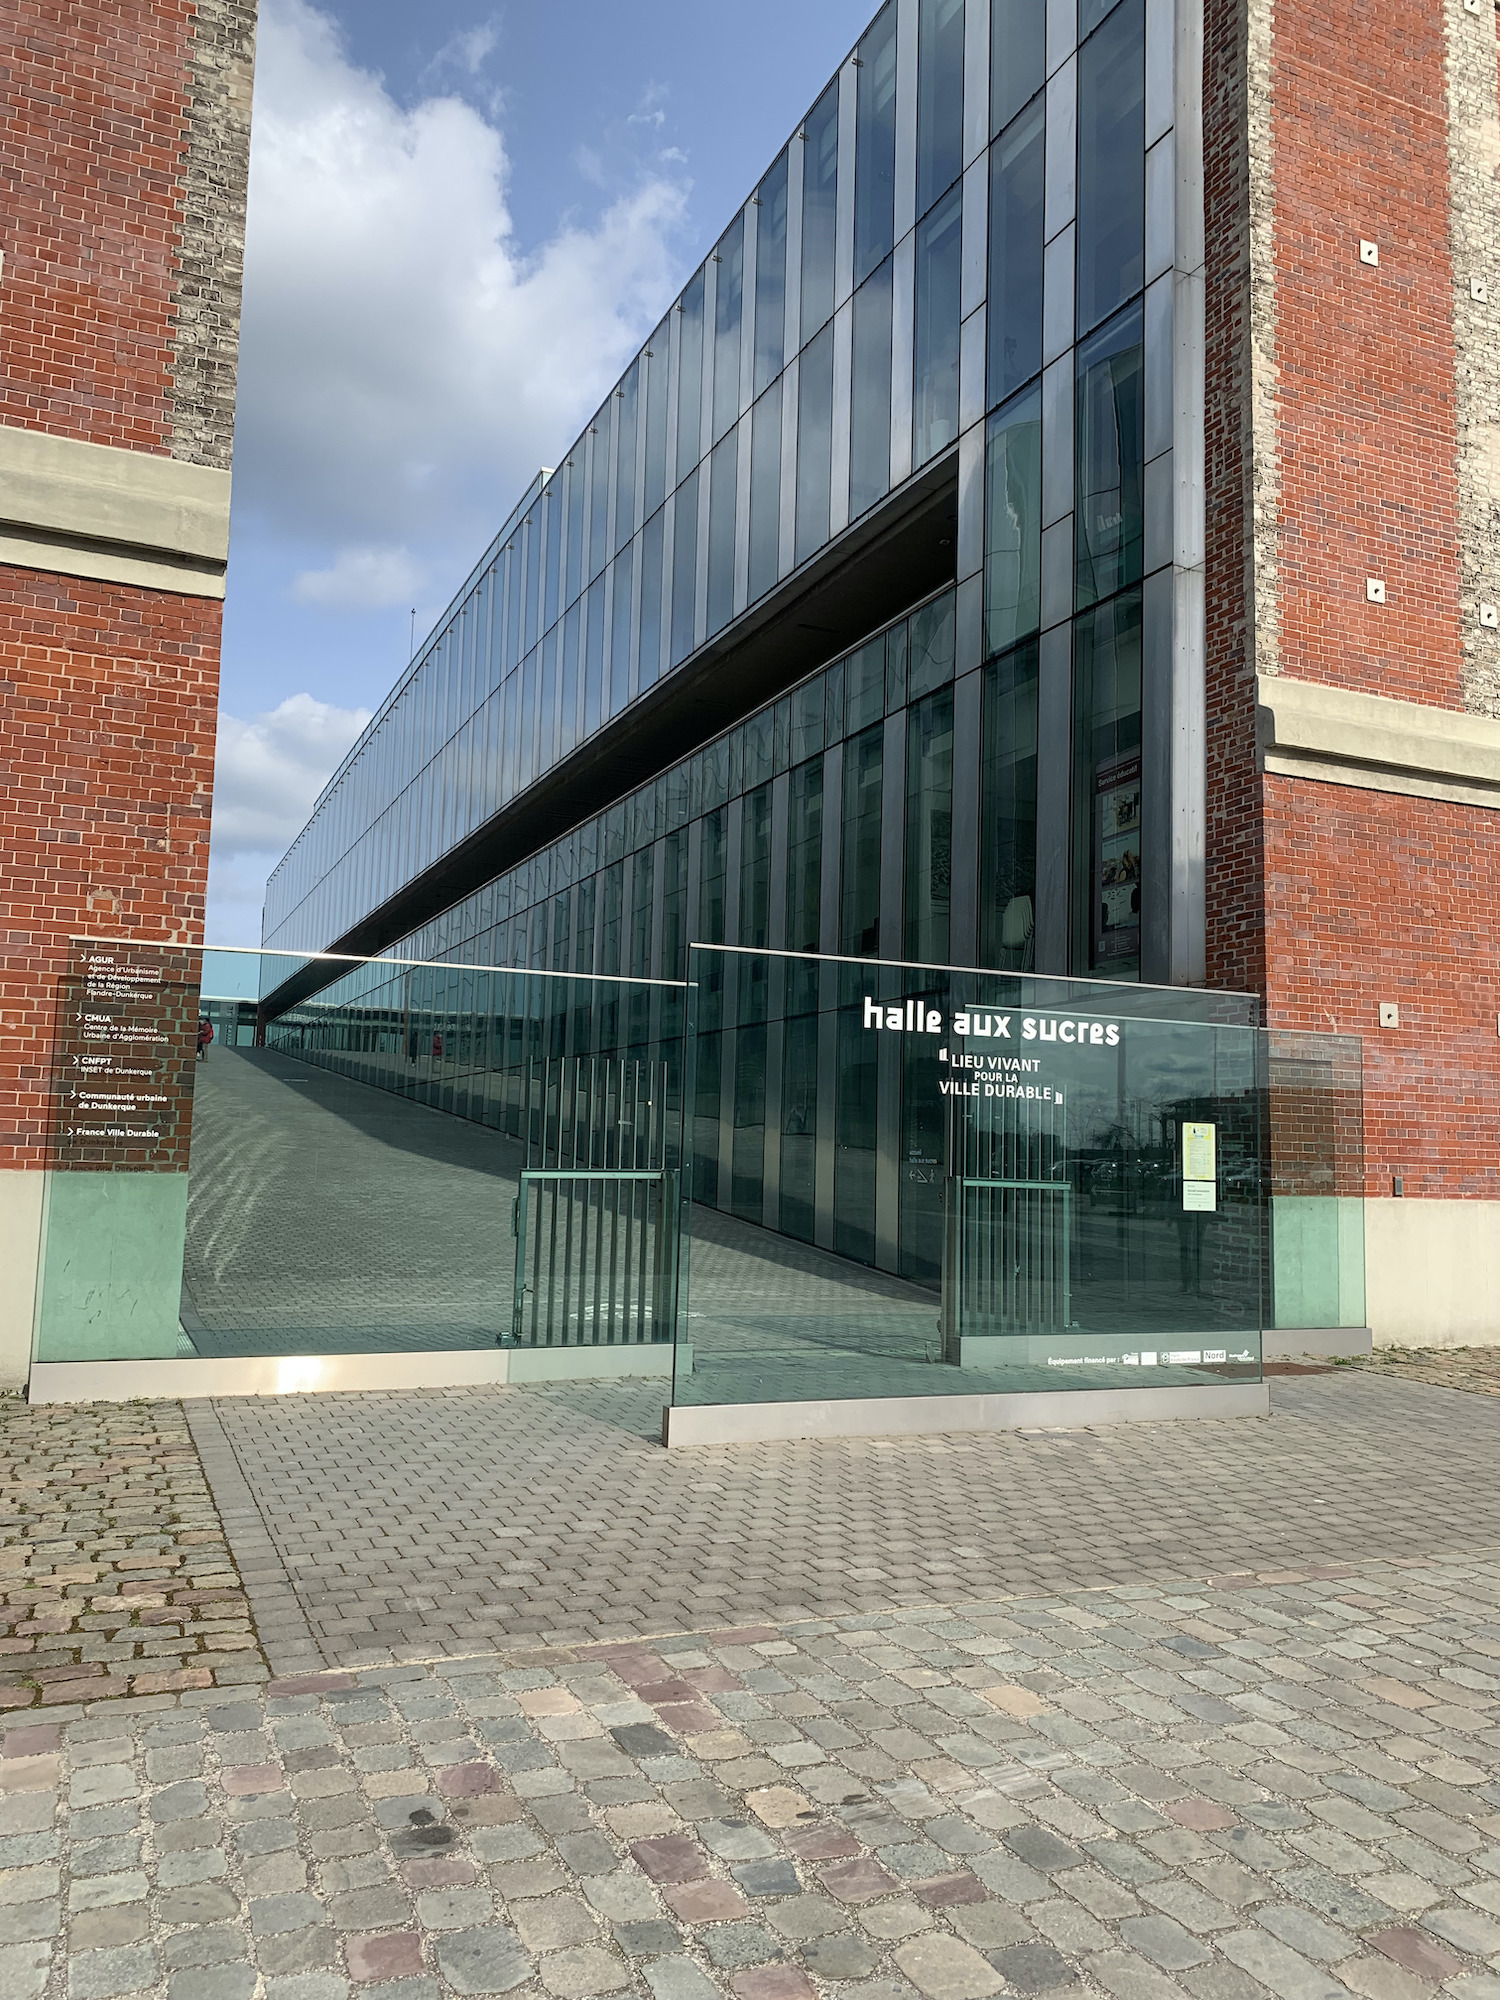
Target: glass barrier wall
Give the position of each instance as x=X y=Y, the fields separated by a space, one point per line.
x=1315 y=1109
x=210 y=1197
x=948 y=1182
x=788 y=1178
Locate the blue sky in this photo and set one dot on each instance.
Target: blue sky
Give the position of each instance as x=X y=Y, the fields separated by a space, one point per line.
x=463 y=220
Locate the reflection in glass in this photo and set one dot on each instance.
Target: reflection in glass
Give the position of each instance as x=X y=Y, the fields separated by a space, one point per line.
x=577 y=490
x=729 y=289
x=770 y=276
x=722 y=484
x=674 y=905
x=929 y=636
x=689 y=376
x=684 y=568
x=1013 y=522
x=1018 y=57
x=856 y=1127
x=1015 y=308
x=533 y=592
x=929 y=826
x=600 y=431
x=799 y=1123
x=1110 y=445
x=611 y=916
x=651 y=562
x=864 y=761
x=655 y=365
x=940 y=98
x=1007 y=812
x=804 y=856
x=627 y=398
x=593 y=678
x=568 y=730
x=875 y=144
x=1111 y=164
x=552 y=513
x=814 y=443
x=765 y=492
x=1107 y=789
x=820 y=171
x=935 y=347
x=547 y=704
x=619 y=641
x=870 y=428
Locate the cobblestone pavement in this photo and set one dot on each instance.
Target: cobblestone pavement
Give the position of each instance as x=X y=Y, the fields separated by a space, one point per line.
x=1280 y=1787
x=1476 y=1369
x=114 y=1574
x=406 y=1527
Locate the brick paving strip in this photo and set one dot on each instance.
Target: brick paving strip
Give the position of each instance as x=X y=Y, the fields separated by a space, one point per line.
x=1286 y=1785
x=115 y=1574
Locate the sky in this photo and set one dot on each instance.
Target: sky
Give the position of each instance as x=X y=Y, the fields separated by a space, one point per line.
x=463 y=220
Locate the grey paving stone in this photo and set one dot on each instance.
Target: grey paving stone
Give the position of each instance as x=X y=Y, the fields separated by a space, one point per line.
x=1286 y=1972
x=651 y=1938
x=678 y=1978
x=23 y=1969
x=488 y=1959
x=185 y=1801
x=218 y=1946
x=218 y=1982
x=736 y=1945
x=1165 y=1942
x=100 y=1975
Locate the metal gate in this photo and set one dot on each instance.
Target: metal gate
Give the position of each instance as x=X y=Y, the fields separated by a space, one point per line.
x=597 y=1213
x=596 y=1257
x=1009 y=1257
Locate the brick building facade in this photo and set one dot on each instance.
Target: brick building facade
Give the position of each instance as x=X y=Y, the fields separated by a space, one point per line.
x=1352 y=190
x=124 y=144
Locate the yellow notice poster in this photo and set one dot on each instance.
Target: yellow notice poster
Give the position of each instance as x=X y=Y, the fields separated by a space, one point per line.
x=1199 y=1160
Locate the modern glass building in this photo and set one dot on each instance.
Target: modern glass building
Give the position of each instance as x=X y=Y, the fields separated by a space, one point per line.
x=866 y=614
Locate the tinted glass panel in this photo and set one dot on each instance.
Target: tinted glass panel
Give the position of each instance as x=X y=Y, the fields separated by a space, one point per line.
x=875 y=144
x=599 y=490
x=723 y=480
x=729 y=295
x=1013 y=522
x=619 y=642
x=804 y=856
x=593 y=679
x=820 y=170
x=690 y=377
x=651 y=554
x=870 y=431
x=627 y=401
x=940 y=98
x=859 y=925
x=1007 y=812
x=814 y=443
x=684 y=568
x=765 y=492
x=1111 y=164
x=929 y=646
x=1107 y=789
x=1018 y=38
x=552 y=513
x=656 y=420
x=1015 y=308
x=770 y=275
x=577 y=492
x=929 y=826
x=935 y=363
x=1110 y=439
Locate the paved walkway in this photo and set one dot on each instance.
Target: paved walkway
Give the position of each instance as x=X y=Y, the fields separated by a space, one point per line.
x=114 y=1574
x=1281 y=1786
x=412 y=1526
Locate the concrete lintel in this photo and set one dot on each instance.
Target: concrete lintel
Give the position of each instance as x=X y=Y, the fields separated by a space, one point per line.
x=306 y=1374
x=1376 y=743
x=913 y=1416
x=81 y=509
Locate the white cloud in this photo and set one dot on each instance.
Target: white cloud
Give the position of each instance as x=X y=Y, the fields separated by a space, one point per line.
x=405 y=366
x=362 y=579
x=270 y=770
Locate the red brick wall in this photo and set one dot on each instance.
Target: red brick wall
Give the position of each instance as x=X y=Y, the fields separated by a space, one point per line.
x=1235 y=867
x=93 y=117
x=108 y=698
x=1374 y=896
x=1367 y=427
